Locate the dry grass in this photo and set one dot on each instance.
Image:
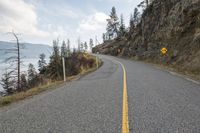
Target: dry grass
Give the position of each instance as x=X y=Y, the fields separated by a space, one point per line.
x=51 y=85
x=24 y=94
x=183 y=72
x=176 y=69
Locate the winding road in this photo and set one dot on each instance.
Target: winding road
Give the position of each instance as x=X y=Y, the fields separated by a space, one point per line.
x=121 y=96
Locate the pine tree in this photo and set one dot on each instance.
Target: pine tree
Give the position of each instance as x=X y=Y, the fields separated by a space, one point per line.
x=122 y=26
x=150 y=1
x=42 y=63
x=131 y=22
x=79 y=44
x=109 y=30
x=63 y=49
x=104 y=37
x=113 y=24
x=113 y=14
x=85 y=46
x=68 y=48
x=32 y=81
x=7 y=82
x=136 y=16
x=144 y=4
x=24 y=83
x=81 y=47
x=55 y=65
x=147 y=2
x=74 y=50
x=91 y=44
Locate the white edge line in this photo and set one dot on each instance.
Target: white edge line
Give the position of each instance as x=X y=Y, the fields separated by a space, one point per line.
x=188 y=79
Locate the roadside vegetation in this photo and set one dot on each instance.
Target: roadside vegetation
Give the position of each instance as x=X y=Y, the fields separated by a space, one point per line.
x=49 y=75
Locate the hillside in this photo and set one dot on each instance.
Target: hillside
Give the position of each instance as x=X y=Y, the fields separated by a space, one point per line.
x=28 y=51
x=174 y=24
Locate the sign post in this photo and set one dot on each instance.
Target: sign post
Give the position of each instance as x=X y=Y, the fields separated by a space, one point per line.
x=164 y=52
x=97 y=63
x=63 y=61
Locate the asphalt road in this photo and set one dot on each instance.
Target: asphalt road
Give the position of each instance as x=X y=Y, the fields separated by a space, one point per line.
x=158 y=102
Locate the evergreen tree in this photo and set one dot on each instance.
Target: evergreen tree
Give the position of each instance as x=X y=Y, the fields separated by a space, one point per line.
x=81 y=47
x=113 y=24
x=24 y=83
x=74 y=50
x=148 y=2
x=85 y=46
x=113 y=14
x=68 y=48
x=91 y=44
x=7 y=82
x=79 y=44
x=42 y=63
x=109 y=30
x=32 y=81
x=122 y=29
x=136 y=16
x=104 y=37
x=55 y=65
x=144 y=4
x=63 y=49
x=131 y=22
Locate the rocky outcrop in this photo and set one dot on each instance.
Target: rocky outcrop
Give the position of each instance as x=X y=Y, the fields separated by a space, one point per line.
x=174 y=24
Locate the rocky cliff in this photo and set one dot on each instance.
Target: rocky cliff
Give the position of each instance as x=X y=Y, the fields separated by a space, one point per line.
x=174 y=24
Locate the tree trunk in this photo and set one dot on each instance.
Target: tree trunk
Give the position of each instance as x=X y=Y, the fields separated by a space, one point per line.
x=18 y=62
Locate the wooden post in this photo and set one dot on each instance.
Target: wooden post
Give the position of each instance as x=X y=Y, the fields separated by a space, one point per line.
x=64 y=76
x=97 y=63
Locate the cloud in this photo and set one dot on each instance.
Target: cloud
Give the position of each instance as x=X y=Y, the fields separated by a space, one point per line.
x=41 y=21
x=19 y=16
x=69 y=13
x=22 y=18
x=92 y=25
x=114 y=1
x=66 y=12
x=94 y=22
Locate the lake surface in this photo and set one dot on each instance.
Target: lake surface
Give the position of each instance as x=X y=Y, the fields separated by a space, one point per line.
x=24 y=66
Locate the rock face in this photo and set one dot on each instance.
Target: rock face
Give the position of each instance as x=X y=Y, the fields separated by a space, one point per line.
x=174 y=24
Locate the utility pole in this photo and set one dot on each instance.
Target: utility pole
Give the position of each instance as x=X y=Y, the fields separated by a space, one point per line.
x=63 y=61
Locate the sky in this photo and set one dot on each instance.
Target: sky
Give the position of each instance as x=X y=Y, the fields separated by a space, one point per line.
x=41 y=21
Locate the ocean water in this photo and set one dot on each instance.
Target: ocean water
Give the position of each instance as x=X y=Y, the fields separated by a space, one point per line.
x=24 y=66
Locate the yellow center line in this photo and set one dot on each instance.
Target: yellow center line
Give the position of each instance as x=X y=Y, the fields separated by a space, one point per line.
x=125 y=122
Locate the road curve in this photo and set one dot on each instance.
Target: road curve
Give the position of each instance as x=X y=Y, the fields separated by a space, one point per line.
x=158 y=102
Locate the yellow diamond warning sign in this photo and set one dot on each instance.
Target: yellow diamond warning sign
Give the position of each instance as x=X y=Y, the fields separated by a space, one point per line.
x=163 y=50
